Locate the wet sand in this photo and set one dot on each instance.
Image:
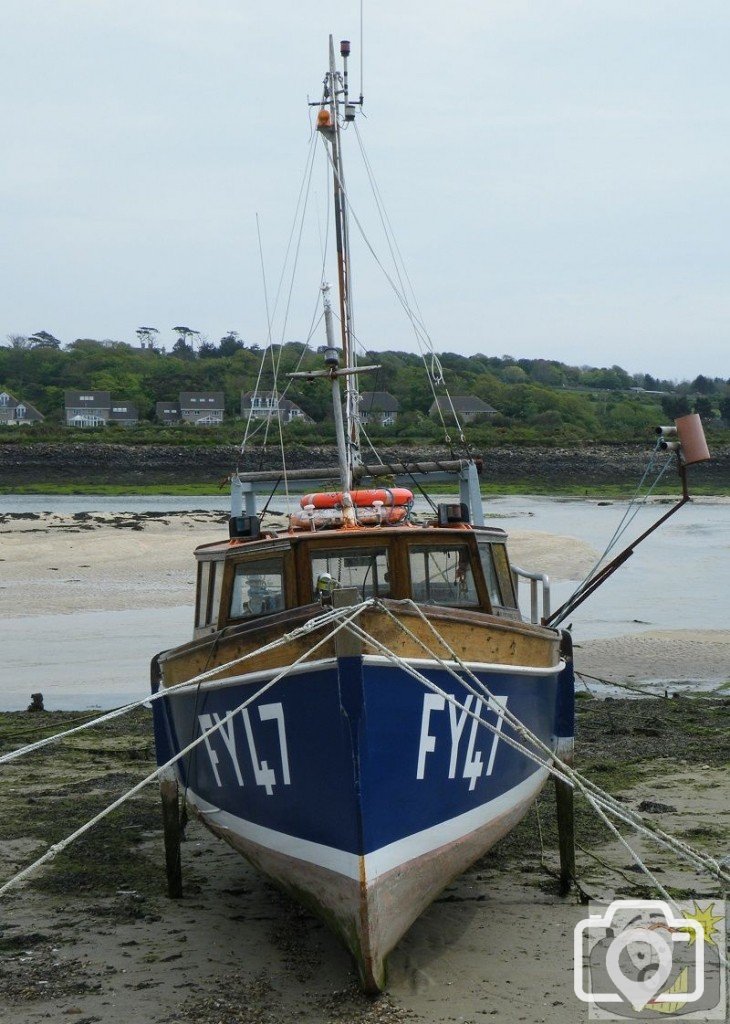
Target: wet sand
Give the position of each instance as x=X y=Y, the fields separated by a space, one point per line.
x=95 y=939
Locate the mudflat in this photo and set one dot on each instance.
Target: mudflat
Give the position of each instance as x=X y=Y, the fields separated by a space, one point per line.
x=93 y=937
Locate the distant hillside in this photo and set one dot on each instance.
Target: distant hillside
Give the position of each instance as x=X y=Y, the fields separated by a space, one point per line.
x=537 y=401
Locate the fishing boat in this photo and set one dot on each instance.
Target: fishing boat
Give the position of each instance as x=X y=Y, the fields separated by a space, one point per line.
x=363 y=710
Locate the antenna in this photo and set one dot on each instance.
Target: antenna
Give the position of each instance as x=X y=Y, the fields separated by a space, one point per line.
x=349 y=107
x=362 y=52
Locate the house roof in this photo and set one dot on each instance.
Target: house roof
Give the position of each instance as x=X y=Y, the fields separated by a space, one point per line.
x=208 y=400
x=123 y=411
x=88 y=399
x=167 y=408
x=463 y=404
x=31 y=413
x=11 y=402
x=378 y=401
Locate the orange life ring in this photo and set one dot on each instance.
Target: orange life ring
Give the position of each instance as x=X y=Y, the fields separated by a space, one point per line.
x=390 y=497
x=333 y=517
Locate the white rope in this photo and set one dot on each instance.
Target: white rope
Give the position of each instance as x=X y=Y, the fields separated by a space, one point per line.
x=434 y=372
x=564 y=772
x=598 y=799
x=708 y=863
x=318 y=622
x=56 y=848
x=300 y=206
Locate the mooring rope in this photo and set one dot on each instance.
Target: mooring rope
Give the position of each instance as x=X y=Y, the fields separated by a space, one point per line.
x=318 y=622
x=52 y=852
x=517 y=724
x=563 y=772
x=601 y=802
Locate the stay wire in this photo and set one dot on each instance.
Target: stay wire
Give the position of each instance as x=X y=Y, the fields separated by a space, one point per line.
x=435 y=373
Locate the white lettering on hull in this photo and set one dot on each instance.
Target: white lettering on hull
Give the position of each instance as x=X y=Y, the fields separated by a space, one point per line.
x=263 y=775
x=473 y=764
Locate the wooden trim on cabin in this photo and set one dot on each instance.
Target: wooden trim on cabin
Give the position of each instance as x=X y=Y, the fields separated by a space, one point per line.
x=472 y=635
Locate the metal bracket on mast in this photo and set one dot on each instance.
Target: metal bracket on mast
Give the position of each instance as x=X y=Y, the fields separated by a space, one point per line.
x=470 y=493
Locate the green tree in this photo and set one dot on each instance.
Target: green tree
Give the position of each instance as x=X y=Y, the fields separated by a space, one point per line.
x=675 y=406
x=42 y=339
x=703 y=407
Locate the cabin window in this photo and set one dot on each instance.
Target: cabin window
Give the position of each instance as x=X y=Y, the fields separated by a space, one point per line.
x=258 y=588
x=201 y=612
x=442 y=575
x=366 y=569
x=216 y=585
x=210 y=581
x=497 y=574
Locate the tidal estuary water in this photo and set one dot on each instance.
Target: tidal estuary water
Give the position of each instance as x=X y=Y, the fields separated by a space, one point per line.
x=675 y=581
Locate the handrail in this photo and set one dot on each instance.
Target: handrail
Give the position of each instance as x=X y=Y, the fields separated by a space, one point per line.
x=534 y=578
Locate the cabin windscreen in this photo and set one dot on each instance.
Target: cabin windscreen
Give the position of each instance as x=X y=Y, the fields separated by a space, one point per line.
x=442 y=575
x=497 y=574
x=366 y=569
x=258 y=588
x=210 y=580
x=203 y=588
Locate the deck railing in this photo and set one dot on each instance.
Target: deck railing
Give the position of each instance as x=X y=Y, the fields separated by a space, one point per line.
x=534 y=578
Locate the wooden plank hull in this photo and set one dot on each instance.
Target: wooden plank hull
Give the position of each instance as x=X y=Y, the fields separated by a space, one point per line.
x=371 y=914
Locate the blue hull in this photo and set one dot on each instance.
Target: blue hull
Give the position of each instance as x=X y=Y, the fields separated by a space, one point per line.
x=359 y=788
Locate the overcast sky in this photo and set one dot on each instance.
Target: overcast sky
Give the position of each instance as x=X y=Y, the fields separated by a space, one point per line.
x=555 y=171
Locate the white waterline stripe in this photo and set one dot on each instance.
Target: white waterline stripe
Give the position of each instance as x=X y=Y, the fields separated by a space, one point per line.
x=403 y=850
x=381 y=861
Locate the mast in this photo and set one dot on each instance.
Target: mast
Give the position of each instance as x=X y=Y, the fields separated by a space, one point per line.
x=338 y=93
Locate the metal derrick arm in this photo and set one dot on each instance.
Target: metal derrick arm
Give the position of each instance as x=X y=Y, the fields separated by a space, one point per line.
x=376 y=470
x=610 y=568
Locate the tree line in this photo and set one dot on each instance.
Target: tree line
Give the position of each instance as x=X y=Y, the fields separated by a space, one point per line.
x=537 y=400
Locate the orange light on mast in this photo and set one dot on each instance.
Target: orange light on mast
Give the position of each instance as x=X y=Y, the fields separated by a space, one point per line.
x=324 y=119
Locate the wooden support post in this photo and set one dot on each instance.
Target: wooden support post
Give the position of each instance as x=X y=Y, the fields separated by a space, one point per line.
x=173 y=832
x=566 y=834
x=565 y=730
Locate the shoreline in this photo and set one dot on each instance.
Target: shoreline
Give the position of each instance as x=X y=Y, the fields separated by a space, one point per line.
x=581 y=465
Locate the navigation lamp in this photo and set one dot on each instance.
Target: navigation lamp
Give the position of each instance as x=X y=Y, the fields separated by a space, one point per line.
x=350 y=111
x=345 y=48
x=331 y=357
x=324 y=119
x=692 y=439
x=309 y=509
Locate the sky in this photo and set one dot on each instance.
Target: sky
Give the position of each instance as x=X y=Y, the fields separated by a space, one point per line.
x=555 y=173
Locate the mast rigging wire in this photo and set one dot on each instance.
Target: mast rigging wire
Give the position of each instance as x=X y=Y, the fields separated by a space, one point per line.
x=419 y=329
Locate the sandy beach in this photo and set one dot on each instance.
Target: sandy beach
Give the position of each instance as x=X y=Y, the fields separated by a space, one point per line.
x=94 y=937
